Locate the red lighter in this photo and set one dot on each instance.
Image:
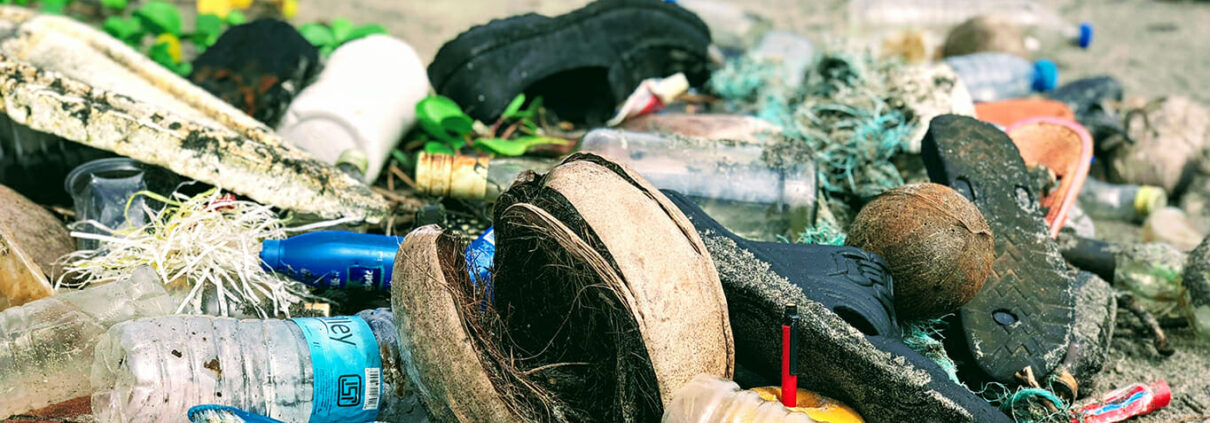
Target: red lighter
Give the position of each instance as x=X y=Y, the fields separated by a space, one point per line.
x=789 y=356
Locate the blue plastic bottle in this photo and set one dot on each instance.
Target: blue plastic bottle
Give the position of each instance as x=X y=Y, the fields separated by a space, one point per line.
x=1002 y=76
x=334 y=259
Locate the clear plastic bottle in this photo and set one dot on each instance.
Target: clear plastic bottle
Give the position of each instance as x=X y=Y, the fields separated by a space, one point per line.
x=310 y=369
x=735 y=182
x=946 y=13
x=1104 y=200
x=994 y=76
x=46 y=345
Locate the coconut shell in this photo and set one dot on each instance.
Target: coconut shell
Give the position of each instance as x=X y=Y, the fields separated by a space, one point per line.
x=936 y=241
x=599 y=281
x=985 y=33
x=31 y=242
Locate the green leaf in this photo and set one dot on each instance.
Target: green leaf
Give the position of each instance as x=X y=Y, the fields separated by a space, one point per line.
x=114 y=4
x=125 y=29
x=318 y=34
x=437 y=147
x=160 y=16
x=401 y=158
x=236 y=18
x=442 y=118
x=516 y=147
x=54 y=6
x=513 y=106
x=363 y=31
x=159 y=54
x=207 y=28
x=341 y=28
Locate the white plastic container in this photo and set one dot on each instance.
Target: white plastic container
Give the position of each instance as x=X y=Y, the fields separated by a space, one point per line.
x=46 y=346
x=330 y=369
x=360 y=105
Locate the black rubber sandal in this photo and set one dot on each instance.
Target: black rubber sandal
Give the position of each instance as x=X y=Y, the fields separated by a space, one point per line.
x=1025 y=312
x=582 y=63
x=872 y=370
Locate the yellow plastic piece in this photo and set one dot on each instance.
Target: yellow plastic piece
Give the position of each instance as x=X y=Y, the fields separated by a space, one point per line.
x=174 y=45
x=220 y=8
x=1149 y=199
x=241 y=4
x=815 y=406
x=289 y=8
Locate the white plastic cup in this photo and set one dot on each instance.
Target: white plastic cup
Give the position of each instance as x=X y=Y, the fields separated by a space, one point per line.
x=360 y=105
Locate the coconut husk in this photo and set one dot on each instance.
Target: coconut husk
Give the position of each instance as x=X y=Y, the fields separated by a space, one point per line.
x=985 y=33
x=62 y=77
x=606 y=302
x=31 y=243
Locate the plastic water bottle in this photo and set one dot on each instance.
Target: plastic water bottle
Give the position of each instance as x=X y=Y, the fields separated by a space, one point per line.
x=330 y=369
x=731 y=180
x=1002 y=76
x=946 y=13
x=334 y=259
x=46 y=345
x=1104 y=200
x=360 y=105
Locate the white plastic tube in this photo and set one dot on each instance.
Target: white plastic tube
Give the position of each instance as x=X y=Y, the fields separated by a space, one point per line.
x=361 y=104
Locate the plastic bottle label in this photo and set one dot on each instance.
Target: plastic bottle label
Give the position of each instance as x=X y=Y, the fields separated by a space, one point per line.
x=347 y=368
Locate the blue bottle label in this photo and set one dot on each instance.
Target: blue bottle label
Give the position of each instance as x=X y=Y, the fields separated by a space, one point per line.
x=346 y=366
x=368 y=278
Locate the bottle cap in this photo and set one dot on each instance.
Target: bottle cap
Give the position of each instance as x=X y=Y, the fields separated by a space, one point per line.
x=452 y=176
x=1163 y=394
x=270 y=253
x=1149 y=199
x=356 y=158
x=1085 y=35
x=1046 y=75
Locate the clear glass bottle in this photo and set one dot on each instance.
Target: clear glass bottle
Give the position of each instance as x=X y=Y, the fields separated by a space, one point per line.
x=46 y=345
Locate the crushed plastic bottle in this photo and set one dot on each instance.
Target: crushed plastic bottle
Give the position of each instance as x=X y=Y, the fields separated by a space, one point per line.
x=1001 y=76
x=1131 y=203
x=333 y=369
x=46 y=345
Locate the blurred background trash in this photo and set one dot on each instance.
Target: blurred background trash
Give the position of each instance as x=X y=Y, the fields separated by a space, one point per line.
x=1002 y=76
x=1131 y=203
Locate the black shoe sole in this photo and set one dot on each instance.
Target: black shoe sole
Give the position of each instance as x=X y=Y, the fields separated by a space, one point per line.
x=625 y=41
x=872 y=370
x=1025 y=312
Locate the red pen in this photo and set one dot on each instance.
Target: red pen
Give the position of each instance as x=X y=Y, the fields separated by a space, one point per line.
x=789 y=357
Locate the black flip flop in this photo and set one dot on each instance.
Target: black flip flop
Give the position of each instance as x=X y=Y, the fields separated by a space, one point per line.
x=855 y=352
x=1025 y=313
x=582 y=63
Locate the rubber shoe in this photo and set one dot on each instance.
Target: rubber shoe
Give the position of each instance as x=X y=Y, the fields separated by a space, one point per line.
x=844 y=297
x=1024 y=314
x=583 y=63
